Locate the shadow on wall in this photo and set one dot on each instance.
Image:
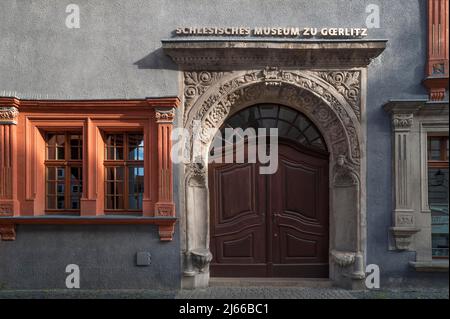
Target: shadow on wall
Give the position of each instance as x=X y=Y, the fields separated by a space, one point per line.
x=156 y=60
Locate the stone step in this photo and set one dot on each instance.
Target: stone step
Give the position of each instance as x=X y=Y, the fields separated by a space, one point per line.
x=270 y=282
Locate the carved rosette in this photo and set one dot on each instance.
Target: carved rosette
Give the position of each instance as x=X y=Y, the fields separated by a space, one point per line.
x=8 y=115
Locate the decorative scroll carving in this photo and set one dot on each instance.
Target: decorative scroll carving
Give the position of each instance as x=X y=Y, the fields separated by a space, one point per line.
x=196 y=83
x=8 y=115
x=343 y=258
x=348 y=84
x=402 y=121
x=8 y=232
x=164 y=115
x=304 y=89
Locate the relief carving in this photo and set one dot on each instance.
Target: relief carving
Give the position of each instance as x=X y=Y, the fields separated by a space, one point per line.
x=402 y=121
x=197 y=83
x=165 y=115
x=197 y=174
x=8 y=115
x=348 y=84
x=344 y=174
x=343 y=258
x=298 y=88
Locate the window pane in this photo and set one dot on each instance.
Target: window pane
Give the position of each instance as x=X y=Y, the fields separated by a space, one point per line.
x=76 y=187
x=114 y=187
x=60 y=173
x=51 y=139
x=434 y=145
x=51 y=202
x=438 y=201
x=136 y=147
x=51 y=153
x=51 y=173
x=135 y=187
x=51 y=188
x=60 y=153
x=60 y=202
x=114 y=147
x=76 y=146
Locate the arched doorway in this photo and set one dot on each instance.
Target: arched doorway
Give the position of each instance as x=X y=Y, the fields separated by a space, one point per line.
x=273 y=225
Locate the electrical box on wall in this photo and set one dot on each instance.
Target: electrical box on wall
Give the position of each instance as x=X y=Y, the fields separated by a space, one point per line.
x=143 y=258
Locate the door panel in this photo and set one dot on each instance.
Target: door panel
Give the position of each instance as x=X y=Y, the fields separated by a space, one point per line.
x=300 y=214
x=270 y=225
x=237 y=218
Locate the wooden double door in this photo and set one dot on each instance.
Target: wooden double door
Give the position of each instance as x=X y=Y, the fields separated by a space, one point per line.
x=271 y=225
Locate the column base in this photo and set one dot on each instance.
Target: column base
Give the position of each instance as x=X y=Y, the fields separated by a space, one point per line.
x=199 y=280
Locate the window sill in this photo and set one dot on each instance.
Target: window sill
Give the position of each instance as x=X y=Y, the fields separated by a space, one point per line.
x=430 y=266
x=166 y=225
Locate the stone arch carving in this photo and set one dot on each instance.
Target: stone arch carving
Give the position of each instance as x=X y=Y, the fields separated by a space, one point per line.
x=332 y=100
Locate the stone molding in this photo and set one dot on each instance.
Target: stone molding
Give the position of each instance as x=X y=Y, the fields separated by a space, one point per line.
x=237 y=55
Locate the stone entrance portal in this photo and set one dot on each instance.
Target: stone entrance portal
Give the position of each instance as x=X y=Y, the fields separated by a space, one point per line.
x=325 y=81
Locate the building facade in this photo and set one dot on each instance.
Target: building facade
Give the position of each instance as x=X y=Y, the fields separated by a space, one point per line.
x=94 y=94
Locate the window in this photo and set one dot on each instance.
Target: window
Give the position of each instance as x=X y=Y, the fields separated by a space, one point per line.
x=438 y=152
x=124 y=171
x=63 y=159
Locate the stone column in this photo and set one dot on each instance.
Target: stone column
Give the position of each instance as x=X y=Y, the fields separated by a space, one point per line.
x=403 y=214
x=165 y=206
x=9 y=205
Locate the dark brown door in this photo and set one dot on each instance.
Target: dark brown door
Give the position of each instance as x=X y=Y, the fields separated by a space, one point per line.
x=271 y=225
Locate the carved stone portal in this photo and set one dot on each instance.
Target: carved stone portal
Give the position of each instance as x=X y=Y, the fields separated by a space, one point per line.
x=321 y=80
x=331 y=100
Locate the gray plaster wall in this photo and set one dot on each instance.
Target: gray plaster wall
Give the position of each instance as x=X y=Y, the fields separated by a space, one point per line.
x=106 y=256
x=117 y=54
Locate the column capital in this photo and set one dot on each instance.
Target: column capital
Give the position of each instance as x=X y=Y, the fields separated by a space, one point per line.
x=402 y=121
x=164 y=115
x=8 y=115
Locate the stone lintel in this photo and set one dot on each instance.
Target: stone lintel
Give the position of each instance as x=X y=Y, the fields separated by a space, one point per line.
x=234 y=55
